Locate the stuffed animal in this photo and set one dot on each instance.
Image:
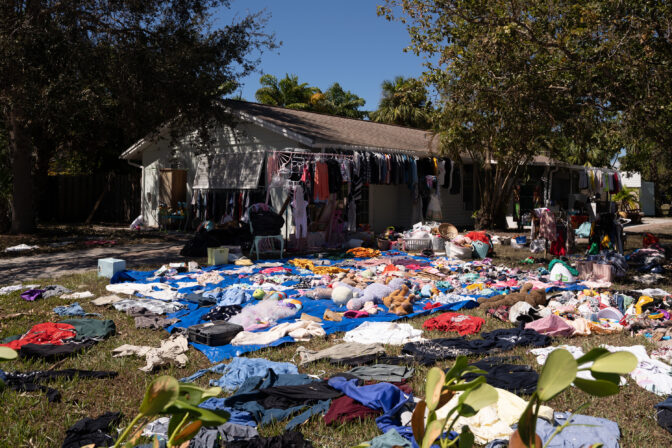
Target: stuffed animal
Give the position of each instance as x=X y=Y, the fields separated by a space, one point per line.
x=534 y=297
x=400 y=302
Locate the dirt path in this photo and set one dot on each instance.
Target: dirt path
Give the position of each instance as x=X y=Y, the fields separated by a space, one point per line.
x=54 y=265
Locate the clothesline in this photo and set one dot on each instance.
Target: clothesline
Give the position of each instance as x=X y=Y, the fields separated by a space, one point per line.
x=308 y=155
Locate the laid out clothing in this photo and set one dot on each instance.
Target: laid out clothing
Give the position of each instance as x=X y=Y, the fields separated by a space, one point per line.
x=293 y=439
x=91 y=328
x=391 y=439
x=73 y=310
x=32 y=381
x=516 y=378
x=663 y=414
x=224 y=312
x=494 y=421
x=429 y=351
x=382 y=396
x=457 y=322
x=94 y=432
x=339 y=352
x=300 y=331
x=345 y=409
x=551 y=325
x=171 y=351
x=582 y=431
x=154 y=322
x=383 y=333
x=228 y=432
x=151 y=305
x=239 y=369
x=45 y=333
x=251 y=395
x=382 y=372
x=50 y=352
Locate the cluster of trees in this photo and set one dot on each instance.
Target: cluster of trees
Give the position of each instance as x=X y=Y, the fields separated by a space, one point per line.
x=578 y=81
x=404 y=100
x=83 y=78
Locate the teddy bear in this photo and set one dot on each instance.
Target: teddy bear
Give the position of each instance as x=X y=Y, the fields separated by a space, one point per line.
x=400 y=302
x=534 y=297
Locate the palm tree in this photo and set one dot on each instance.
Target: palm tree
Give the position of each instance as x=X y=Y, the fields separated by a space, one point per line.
x=337 y=101
x=404 y=103
x=287 y=92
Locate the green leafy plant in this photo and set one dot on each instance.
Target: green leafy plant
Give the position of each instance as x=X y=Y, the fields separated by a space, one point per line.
x=560 y=371
x=626 y=199
x=166 y=396
x=440 y=388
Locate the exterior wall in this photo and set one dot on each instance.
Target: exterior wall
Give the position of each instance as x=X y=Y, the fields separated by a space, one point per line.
x=244 y=137
x=390 y=205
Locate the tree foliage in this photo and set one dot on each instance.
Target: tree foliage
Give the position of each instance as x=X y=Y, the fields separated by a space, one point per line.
x=571 y=80
x=290 y=93
x=88 y=77
x=287 y=92
x=404 y=102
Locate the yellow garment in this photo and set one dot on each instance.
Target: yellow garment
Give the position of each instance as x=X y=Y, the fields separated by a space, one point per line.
x=494 y=421
x=363 y=252
x=473 y=286
x=304 y=263
x=643 y=300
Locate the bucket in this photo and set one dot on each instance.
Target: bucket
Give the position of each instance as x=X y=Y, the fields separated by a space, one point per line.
x=218 y=255
x=438 y=243
x=521 y=240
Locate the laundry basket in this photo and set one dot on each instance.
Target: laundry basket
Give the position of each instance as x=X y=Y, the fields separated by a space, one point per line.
x=416 y=244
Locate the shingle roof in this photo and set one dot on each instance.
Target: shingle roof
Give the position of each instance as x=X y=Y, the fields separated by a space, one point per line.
x=329 y=131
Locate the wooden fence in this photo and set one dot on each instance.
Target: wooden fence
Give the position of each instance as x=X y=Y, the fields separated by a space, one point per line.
x=73 y=198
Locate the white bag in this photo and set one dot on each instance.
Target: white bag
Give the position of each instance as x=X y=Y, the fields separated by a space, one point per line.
x=459 y=252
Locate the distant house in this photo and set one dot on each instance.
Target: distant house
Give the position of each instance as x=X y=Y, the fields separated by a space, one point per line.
x=236 y=162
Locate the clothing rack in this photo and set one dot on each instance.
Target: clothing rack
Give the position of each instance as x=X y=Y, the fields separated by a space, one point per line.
x=313 y=155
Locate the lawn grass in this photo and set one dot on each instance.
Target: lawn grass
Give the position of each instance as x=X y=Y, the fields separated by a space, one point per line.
x=31 y=421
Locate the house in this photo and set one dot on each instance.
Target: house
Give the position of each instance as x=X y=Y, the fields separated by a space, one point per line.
x=237 y=162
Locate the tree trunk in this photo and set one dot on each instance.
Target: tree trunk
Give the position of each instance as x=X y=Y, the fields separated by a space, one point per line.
x=23 y=217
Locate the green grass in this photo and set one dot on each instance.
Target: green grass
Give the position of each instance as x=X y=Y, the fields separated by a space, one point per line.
x=31 y=421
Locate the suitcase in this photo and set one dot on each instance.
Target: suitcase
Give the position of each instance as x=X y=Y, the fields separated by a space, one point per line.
x=215 y=333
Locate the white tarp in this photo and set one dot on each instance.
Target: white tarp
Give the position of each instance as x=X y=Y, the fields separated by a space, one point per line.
x=235 y=171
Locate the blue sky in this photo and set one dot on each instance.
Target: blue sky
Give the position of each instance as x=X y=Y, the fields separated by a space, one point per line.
x=331 y=41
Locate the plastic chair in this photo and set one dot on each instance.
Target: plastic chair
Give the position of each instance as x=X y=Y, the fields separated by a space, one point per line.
x=264 y=239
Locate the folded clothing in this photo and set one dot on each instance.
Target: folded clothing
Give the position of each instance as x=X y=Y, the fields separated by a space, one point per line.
x=458 y=322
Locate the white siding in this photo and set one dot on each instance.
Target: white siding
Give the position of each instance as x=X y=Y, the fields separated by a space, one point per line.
x=245 y=137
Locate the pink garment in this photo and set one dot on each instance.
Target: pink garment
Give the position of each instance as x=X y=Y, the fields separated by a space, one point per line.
x=275 y=270
x=547 y=225
x=552 y=326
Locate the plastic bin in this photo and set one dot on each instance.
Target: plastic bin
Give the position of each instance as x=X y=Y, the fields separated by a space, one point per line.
x=438 y=243
x=107 y=267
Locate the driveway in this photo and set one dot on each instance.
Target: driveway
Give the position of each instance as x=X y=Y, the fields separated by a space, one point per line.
x=657 y=226
x=64 y=263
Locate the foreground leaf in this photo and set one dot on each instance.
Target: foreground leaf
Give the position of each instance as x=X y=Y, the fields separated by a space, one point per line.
x=618 y=362
x=557 y=374
x=433 y=387
x=433 y=431
x=161 y=393
x=599 y=388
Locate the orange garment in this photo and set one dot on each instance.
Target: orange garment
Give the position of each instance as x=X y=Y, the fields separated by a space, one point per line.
x=44 y=333
x=363 y=252
x=321 y=181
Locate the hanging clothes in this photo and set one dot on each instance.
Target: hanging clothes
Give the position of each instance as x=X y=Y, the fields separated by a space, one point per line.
x=300 y=205
x=321 y=184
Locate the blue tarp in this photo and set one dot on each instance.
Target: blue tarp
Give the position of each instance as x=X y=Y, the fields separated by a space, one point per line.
x=192 y=314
